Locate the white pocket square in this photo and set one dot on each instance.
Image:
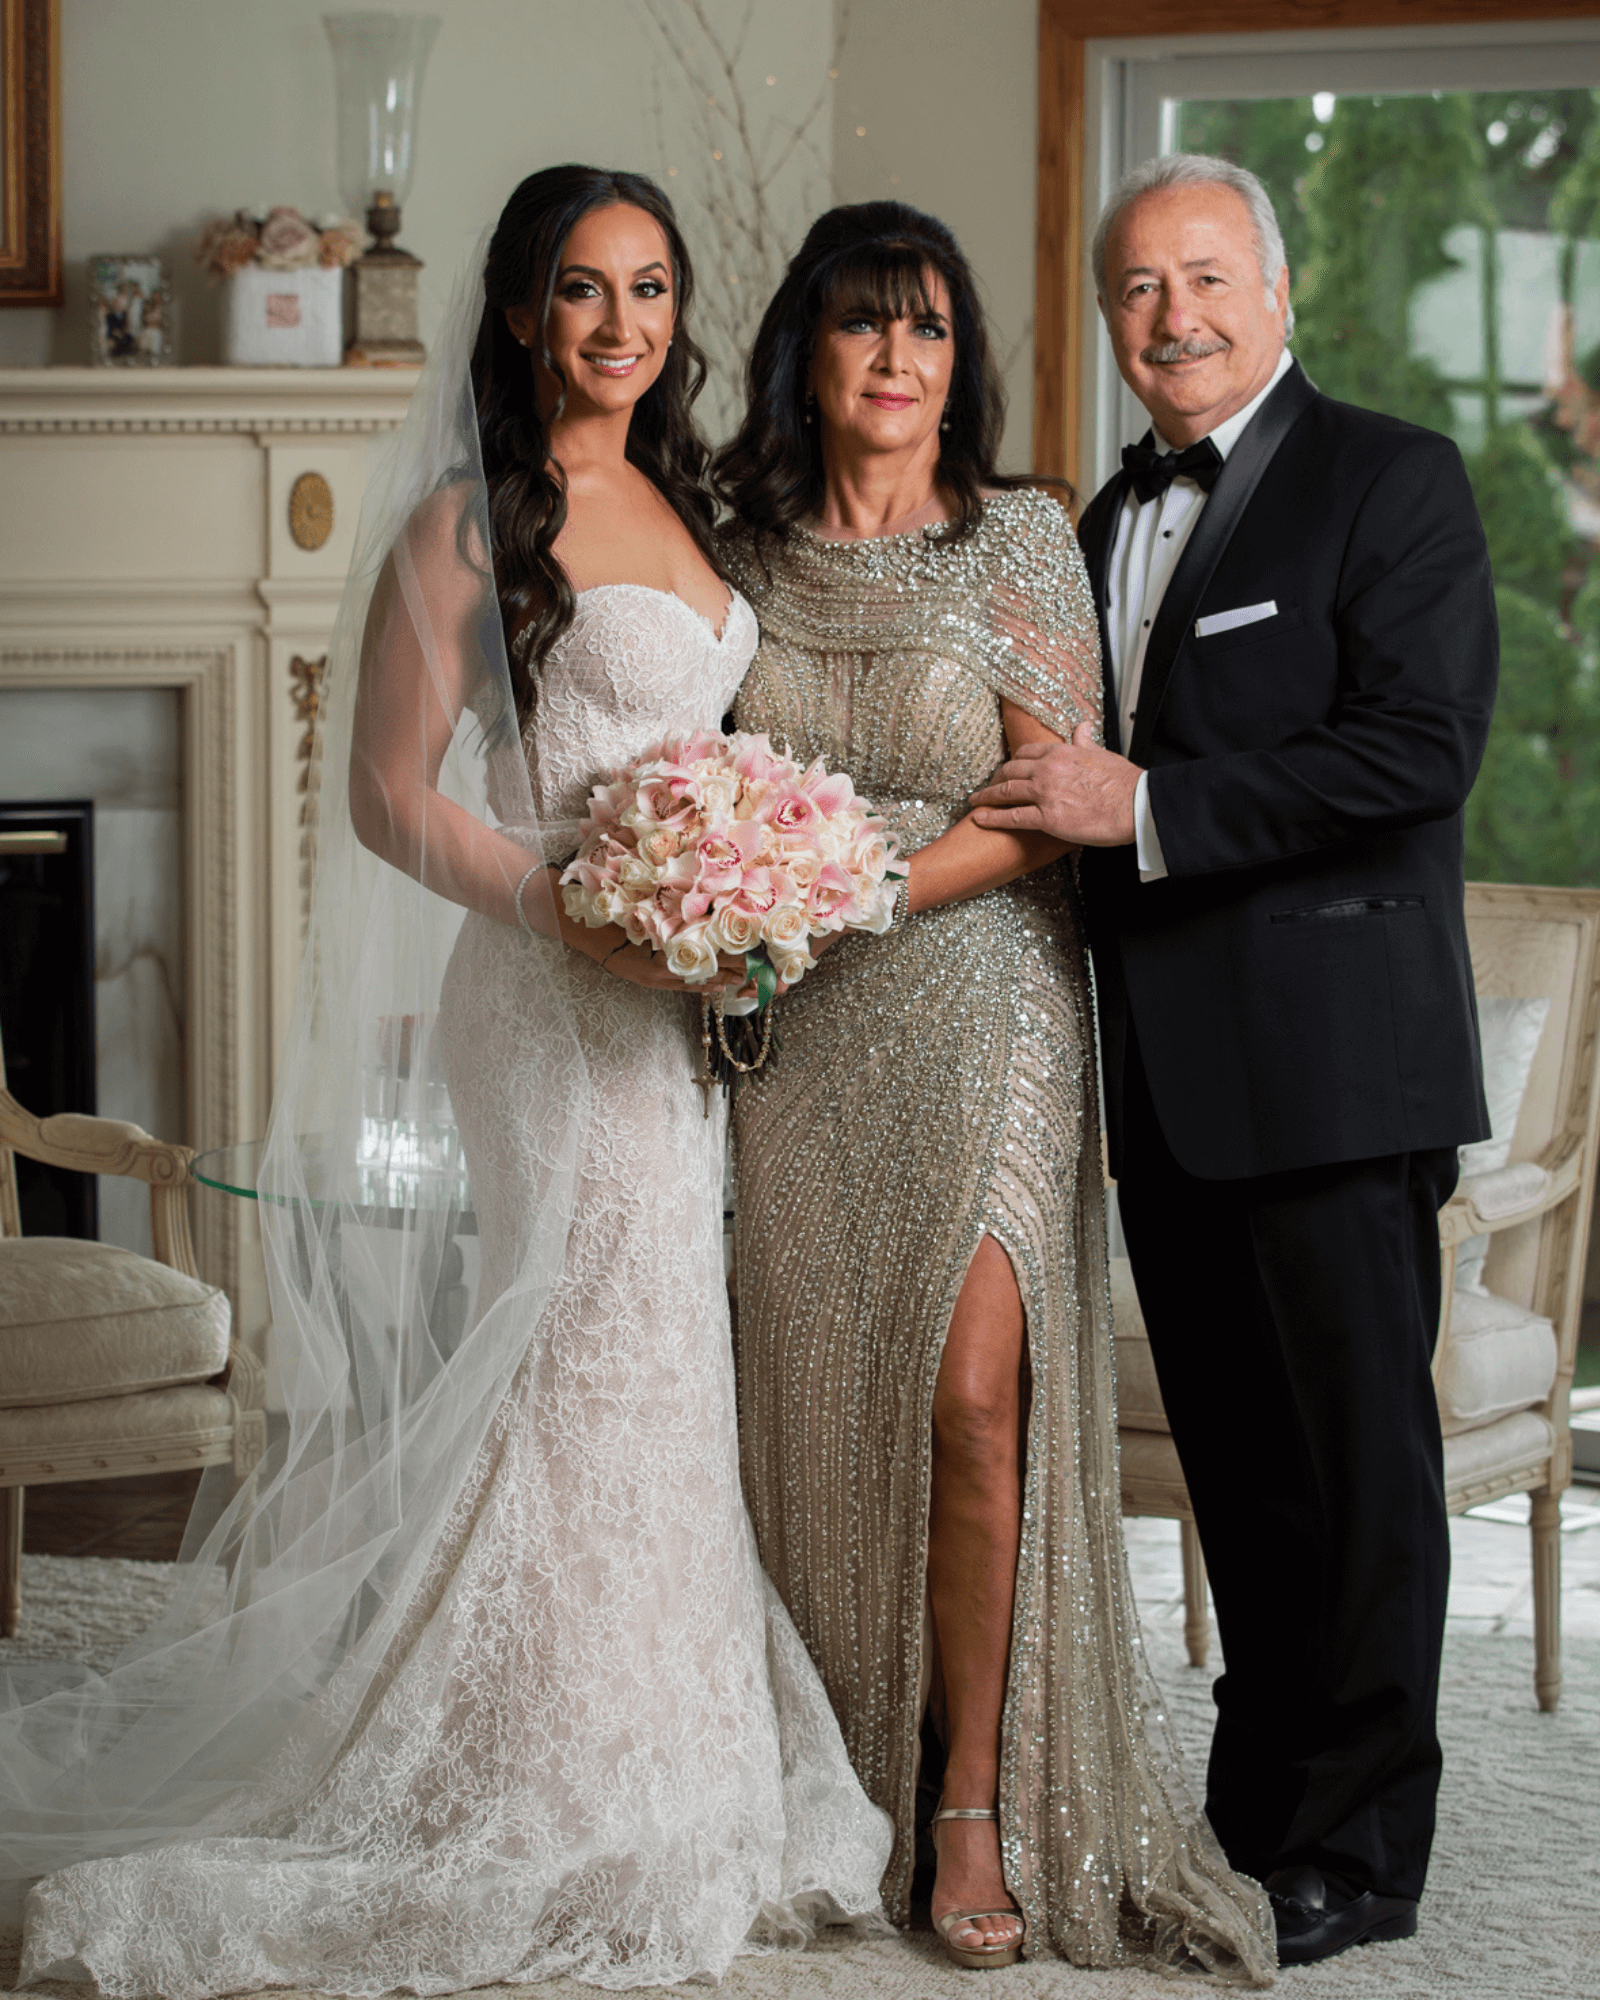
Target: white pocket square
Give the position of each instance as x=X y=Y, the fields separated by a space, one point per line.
x=1229 y=621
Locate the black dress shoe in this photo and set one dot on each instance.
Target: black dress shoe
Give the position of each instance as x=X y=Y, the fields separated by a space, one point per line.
x=1317 y=1918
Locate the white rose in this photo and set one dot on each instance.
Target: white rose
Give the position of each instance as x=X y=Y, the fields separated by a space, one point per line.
x=636 y=875
x=874 y=909
x=716 y=794
x=659 y=846
x=733 y=930
x=690 y=956
x=871 y=856
x=804 y=868
x=785 y=929
x=790 y=966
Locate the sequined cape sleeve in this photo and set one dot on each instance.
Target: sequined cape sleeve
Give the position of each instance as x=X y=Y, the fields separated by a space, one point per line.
x=1044 y=646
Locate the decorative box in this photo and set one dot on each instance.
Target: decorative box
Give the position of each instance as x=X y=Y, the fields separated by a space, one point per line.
x=284 y=319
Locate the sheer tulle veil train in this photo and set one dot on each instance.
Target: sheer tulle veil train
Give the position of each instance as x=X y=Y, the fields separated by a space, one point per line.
x=289 y=1594
x=292 y=1599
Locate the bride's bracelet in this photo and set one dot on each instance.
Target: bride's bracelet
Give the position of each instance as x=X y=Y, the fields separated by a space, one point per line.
x=522 y=915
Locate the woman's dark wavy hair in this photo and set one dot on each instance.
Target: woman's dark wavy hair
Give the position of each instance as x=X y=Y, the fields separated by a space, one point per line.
x=526 y=490
x=874 y=256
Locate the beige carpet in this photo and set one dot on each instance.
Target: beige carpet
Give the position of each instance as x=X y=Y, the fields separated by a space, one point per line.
x=1513 y=1906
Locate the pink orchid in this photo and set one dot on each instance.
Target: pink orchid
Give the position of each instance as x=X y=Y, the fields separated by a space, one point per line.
x=756 y=761
x=830 y=795
x=828 y=895
x=791 y=812
x=762 y=888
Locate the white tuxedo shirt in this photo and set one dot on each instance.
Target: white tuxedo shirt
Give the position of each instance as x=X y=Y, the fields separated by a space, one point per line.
x=1151 y=537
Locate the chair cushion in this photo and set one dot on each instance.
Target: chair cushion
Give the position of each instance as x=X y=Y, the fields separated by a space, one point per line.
x=1511 y=1445
x=1498 y=1357
x=1139 y=1405
x=117 y=1435
x=84 y=1320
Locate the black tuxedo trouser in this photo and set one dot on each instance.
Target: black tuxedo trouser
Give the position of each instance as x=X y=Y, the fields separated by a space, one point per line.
x=1292 y=1320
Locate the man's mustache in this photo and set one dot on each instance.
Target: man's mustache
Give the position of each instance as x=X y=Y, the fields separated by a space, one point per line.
x=1191 y=349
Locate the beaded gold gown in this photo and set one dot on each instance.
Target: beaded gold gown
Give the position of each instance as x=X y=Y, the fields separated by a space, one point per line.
x=935 y=1084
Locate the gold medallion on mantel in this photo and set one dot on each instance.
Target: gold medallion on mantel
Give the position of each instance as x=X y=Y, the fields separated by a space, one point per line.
x=310 y=511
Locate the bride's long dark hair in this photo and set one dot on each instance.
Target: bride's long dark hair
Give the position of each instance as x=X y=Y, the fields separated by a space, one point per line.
x=876 y=255
x=526 y=489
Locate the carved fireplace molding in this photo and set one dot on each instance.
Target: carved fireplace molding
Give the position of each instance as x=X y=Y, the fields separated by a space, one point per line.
x=147 y=538
x=214 y=1054
x=203 y=402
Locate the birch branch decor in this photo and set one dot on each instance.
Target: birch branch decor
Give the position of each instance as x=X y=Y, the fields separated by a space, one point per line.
x=749 y=173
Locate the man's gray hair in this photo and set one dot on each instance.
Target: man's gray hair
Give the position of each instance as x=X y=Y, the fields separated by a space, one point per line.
x=1197 y=170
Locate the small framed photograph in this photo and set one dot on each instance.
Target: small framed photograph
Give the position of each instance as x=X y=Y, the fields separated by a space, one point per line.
x=130 y=312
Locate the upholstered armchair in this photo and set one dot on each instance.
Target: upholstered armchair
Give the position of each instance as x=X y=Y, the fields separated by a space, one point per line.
x=110 y=1363
x=1512 y=1247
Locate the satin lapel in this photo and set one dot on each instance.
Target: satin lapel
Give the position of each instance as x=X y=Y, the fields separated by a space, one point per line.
x=1228 y=499
x=1107 y=509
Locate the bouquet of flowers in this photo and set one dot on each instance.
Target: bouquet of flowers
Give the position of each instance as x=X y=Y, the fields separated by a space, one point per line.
x=713 y=845
x=282 y=240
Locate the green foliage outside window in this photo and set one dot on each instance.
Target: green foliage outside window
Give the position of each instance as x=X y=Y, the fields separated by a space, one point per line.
x=1367 y=194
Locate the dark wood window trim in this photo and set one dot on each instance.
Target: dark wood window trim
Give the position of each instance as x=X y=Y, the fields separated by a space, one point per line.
x=1064 y=27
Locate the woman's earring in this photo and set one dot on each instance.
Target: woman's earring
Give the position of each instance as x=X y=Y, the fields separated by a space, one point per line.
x=944 y=423
x=811 y=406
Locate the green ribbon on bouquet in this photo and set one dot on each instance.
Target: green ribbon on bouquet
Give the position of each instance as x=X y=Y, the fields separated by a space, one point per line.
x=763 y=975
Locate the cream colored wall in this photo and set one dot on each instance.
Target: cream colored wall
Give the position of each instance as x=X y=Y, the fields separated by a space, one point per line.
x=173 y=110
x=948 y=93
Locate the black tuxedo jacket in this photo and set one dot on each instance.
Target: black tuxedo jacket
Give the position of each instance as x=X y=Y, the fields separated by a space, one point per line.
x=1300 y=984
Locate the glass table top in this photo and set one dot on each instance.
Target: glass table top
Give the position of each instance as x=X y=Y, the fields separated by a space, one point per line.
x=387 y=1182
x=233 y=1169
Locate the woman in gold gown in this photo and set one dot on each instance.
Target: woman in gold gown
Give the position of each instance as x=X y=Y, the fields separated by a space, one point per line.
x=927 y=1416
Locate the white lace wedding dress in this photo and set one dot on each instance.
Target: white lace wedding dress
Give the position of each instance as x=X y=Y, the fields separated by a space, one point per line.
x=602 y=1749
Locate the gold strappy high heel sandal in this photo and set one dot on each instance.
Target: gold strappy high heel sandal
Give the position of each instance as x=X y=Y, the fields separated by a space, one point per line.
x=977 y=1956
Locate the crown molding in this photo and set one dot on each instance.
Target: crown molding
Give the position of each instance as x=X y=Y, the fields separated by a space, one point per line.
x=188 y=402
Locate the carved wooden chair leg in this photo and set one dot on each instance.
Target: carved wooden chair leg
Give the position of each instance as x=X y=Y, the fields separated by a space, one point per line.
x=10 y=1560
x=1545 y=1528
x=1196 y=1612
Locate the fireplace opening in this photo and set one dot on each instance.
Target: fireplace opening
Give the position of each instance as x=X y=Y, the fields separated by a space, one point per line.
x=47 y=996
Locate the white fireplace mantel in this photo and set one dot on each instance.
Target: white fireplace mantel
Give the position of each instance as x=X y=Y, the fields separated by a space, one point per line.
x=146 y=540
x=210 y=401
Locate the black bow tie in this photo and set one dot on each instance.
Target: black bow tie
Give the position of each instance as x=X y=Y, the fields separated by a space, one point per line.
x=1154 y=471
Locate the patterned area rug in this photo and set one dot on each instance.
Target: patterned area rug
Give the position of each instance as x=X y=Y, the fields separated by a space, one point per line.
x=1513 y=1906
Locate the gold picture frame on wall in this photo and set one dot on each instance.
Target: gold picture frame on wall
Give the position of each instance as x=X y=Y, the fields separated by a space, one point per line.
x=30 y=153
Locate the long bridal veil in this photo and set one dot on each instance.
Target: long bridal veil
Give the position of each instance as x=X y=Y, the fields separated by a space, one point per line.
x=292 y=1595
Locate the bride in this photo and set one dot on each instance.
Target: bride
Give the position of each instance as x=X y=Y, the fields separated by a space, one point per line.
x=486 y=1682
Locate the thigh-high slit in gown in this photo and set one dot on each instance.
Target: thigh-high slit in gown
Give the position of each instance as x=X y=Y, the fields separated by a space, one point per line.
x=935 y=1085
x=601 y=1749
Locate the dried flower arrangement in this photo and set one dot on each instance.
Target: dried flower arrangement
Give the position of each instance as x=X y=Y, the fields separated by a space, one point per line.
x=280 y=240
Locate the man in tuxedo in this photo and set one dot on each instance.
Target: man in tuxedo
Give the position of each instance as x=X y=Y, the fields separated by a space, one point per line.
x=1300 y=652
